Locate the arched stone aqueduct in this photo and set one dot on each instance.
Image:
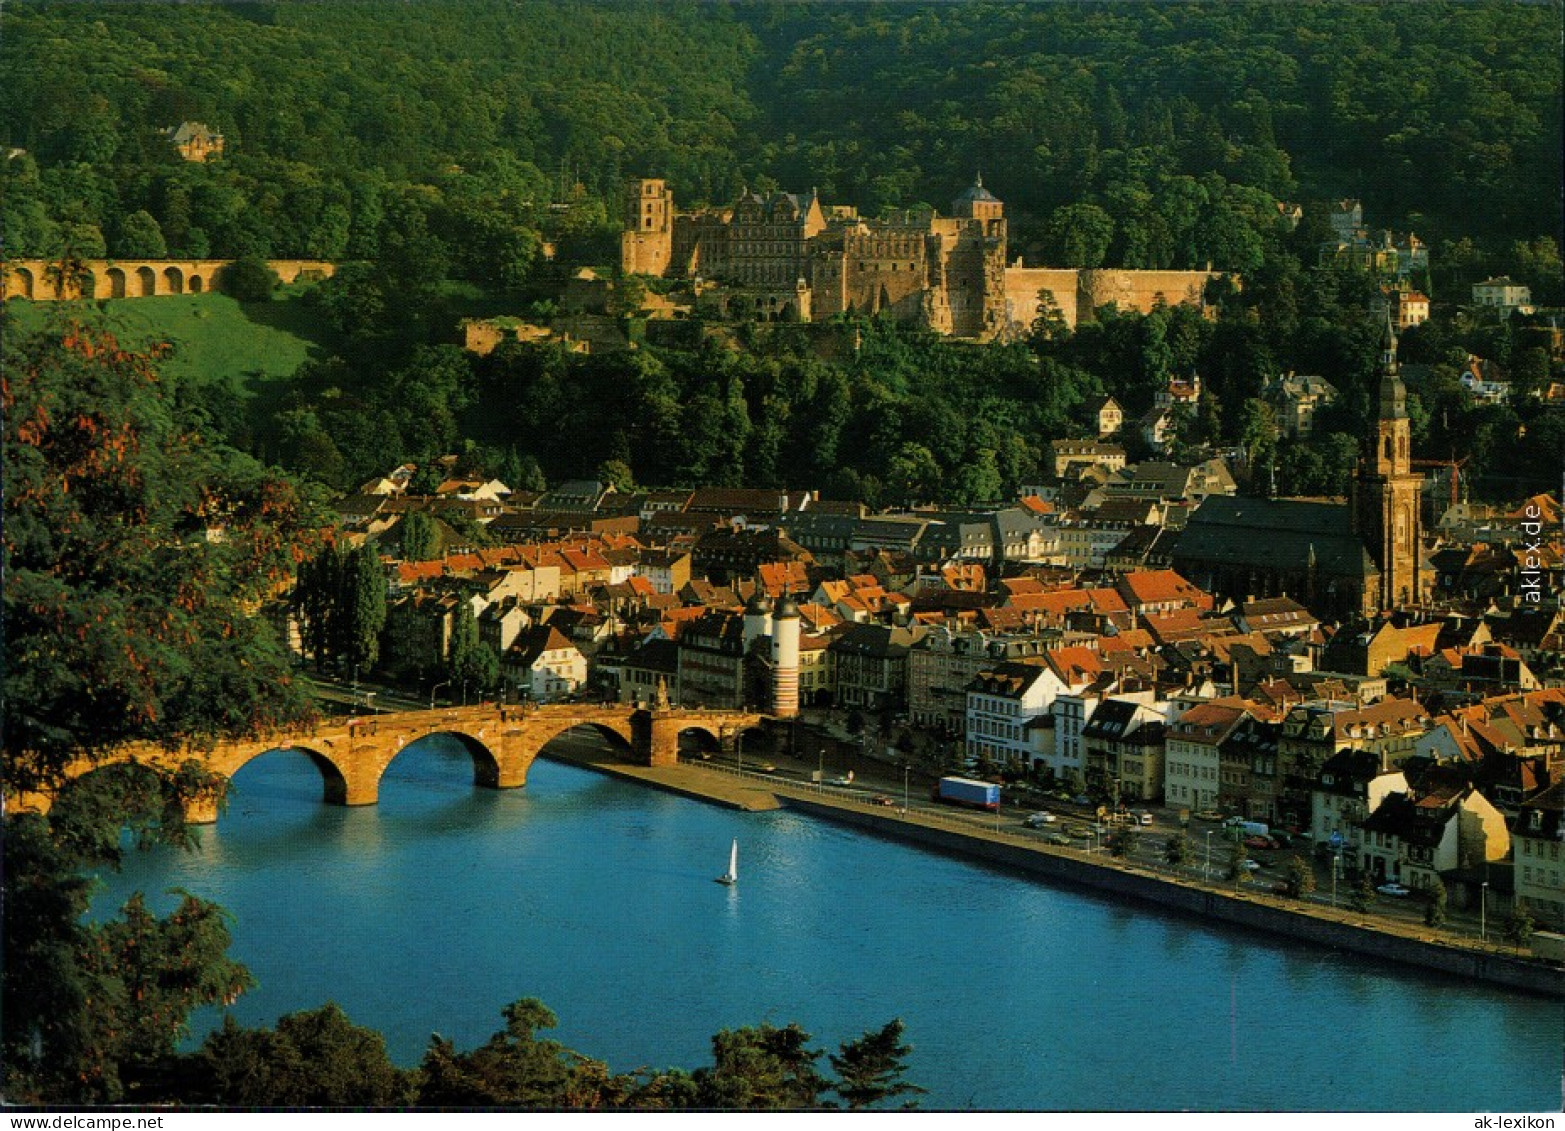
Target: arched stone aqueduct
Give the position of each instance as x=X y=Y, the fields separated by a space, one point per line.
x=352 y=754
x=40 y=280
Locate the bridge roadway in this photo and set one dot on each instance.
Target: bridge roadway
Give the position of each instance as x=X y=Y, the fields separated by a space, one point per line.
x=352 y=753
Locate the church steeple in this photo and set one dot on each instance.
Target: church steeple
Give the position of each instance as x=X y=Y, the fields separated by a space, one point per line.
x=1393 y=394
x=1386 y=489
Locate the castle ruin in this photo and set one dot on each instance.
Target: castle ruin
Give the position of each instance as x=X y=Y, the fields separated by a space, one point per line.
x=786 y=257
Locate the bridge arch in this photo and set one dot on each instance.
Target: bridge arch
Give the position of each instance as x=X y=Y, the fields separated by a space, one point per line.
x=195 y=284
x=174 y=280
x=24 y=282
x=146 y=281
x=116 y=277
x=487 y=770
x=334 y=783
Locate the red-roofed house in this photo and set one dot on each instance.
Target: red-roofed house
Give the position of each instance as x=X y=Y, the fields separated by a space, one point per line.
x=1161 y=591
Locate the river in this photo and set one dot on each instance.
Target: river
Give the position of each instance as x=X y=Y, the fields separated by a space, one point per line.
x=432 y=910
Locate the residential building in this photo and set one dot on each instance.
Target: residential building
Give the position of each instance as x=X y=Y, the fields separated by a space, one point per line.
x=1064 y=454
x=195 y=141
x=946 y=660
x=1192 y=767
x=712 y=654
x=1296 y=400
x=871 y=664
x=1538 y=840
x=1000 y=703
x=1502 y=293
x=544 y=665
x=1412 y=838
x=1350 y=786
x=1105 y=416
x=1124 y=748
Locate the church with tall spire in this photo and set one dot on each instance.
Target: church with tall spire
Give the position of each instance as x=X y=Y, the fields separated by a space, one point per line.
x=1386 y=491
x=1347 y=562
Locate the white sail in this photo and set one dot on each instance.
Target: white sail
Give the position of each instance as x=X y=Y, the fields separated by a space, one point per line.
x=732 y=875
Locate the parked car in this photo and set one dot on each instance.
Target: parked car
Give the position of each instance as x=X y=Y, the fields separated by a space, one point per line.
x=881 y=799
x=1057 y=838
x=1393 y=889
x=1259 y=842
x=1208 y=815
x=1145 y=817
x=1252 y=866
x=1035 y=820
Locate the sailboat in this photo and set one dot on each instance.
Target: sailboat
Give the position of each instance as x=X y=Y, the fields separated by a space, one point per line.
x=732 y=875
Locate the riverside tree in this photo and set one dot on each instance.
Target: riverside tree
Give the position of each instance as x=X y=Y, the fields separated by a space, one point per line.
x=135 y=554
x=871 y=1069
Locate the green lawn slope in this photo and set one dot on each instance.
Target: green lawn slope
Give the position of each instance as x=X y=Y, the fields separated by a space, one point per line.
x=215 y=340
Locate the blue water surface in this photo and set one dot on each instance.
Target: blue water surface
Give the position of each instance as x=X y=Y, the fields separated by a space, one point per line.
x=430 y=911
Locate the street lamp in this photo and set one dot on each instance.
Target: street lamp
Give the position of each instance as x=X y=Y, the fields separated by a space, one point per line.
x=905 y=769
x=820 y=774
x=1336 y=866
x=1483 y=911
x=1207 y=871
x=739 y=748
x=437 y=687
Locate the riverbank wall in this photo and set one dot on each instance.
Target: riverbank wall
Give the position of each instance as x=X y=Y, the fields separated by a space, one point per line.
x=1203 y=901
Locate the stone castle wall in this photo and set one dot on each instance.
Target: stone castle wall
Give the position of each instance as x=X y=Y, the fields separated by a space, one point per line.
x=948 y=273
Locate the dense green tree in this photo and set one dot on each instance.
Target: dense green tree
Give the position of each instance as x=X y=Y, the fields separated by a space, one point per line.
x=514 y=1068
x=470 y=663
x=761 y=1068
x=1435 y=908
x=140 y=237
x=363 y=605
x=143 y=549
x=418 y=537
x=872 y=1069
x=313 y=1058
x=249 y=279
x=93 y=1012
x=135 y=555
x=1176 y=850
x=1080 y=235
x=1519 y=926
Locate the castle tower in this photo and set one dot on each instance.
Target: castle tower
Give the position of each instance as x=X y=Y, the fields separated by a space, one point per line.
x=1386 y=489
x=978 y=203
x=785 y=659
x=647 y=242
x=975 y=269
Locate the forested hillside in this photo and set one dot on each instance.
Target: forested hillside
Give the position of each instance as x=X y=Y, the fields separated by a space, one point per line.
x=445 y=143
x=1181 y=123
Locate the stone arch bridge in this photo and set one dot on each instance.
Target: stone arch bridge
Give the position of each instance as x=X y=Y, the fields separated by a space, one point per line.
x=352 y=754
x=43 y=280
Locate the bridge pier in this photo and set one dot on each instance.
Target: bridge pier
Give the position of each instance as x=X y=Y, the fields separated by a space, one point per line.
x=662 y=738
x=201 y=812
